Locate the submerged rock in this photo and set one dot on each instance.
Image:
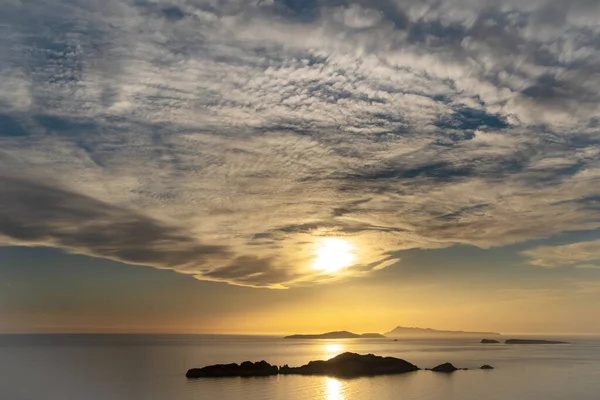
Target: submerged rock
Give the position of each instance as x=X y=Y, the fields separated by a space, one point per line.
x=352 y=364
x=247 y=368
x=489 y=341
x=486 y=367
x=446 y=367
x=533 y=341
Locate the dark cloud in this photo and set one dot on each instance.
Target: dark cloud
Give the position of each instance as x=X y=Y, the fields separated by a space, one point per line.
x=301 y=10
x=251 y=271
x=33 y=213
x=468 y=119
x=440 y=171
x=174 y=13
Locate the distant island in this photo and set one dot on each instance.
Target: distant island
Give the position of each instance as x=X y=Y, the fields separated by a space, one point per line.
x=399 y=331
x=337 y=335
x=434 y=333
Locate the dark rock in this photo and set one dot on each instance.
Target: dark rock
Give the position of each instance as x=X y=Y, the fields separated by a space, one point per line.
x=486 y=367
x=533 y=341
x=446 y=367
x=489 y=341
x=352 y=364
x=247 y=368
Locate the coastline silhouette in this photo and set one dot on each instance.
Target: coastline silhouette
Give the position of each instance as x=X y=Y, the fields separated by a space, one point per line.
x=343 y=365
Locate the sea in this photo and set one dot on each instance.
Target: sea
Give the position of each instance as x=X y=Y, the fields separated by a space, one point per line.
x=153 y=367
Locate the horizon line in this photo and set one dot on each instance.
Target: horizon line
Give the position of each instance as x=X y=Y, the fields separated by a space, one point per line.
x=257 y=333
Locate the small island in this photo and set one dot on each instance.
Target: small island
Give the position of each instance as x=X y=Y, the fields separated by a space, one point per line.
x=445 y=367
x=347 y=365
x=533 y=341
x=352 y=365
x=489 y=341
x=245 y=369
x=337 y=335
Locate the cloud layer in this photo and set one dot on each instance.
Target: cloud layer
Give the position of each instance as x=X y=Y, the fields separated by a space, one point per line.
x=579 y=255
x=223 y=138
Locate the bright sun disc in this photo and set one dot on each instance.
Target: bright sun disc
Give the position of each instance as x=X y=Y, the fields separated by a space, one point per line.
x=333 y=255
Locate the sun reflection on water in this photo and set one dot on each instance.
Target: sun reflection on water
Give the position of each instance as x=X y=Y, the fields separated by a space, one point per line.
x=334 y=389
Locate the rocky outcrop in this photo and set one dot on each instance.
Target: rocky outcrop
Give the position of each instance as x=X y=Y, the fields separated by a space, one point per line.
x=343 y=365
x=247 y=368
x=446 y=367
x=489 y=341
x=351 y=365
x=486 y=367
x=533 y=341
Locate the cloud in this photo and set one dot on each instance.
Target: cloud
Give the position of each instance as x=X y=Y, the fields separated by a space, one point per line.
x=579 y=255
x=235 y=134
x=43 y=215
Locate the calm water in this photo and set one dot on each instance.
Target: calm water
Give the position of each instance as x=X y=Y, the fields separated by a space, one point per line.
x=148 y=367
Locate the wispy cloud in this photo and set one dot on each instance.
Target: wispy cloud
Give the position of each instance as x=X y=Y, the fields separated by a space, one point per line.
x=222 y=138
x=580 y=255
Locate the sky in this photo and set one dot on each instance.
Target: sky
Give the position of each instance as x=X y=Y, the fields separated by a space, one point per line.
x=275 y=166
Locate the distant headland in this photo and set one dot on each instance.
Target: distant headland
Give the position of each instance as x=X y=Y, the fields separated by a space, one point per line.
x=337 y=335
x=401 y=331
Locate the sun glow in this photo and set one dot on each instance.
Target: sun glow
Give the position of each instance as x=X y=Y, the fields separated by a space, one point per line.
x=333 y=254
x=332 y=349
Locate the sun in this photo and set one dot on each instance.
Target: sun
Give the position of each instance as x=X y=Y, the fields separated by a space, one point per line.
x=333 y=254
